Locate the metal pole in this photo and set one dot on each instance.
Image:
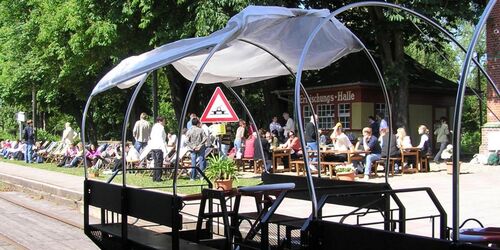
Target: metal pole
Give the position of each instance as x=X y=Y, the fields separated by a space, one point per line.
x=154 y=91
x=251 y=120
x=125 y=125
x=186 y=104
x=458 y=117
x=84 y=119
x=301 y=85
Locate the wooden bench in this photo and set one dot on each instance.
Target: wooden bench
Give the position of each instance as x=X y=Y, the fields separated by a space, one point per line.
x=156 y=207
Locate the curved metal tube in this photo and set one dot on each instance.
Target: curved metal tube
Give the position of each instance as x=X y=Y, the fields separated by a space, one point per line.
x=424 y=18
x=457 y=118
x=185 y=106
x=124 y=128
x=84 y=120
x=252 y=121
x=387 y=102
x=301 y=85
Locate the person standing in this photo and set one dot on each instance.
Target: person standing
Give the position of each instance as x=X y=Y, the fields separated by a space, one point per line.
x=374 y=124
x=158 y=147
x=141 y=132
x=240 y=138
x=310 y=137
x=225 y=140
x=68 y=135
x=275 y=126
x=289 y=126
x=29 y=138
x=190 y=122
x=196 y=141
x=441 y=133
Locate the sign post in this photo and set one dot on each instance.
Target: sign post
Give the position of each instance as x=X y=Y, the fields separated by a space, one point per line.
x=20 y=117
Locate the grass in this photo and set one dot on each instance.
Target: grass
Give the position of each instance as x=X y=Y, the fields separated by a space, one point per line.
x=143 y=180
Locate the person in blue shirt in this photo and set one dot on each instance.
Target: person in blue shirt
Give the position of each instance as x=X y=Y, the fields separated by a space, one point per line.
x=370 y=143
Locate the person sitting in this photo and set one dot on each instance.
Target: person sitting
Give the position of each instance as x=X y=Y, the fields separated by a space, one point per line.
x=424 y=145
x=370 y=143
x=403 y=141
x=78 y=157
x=266 y=148
x=340 y=142
x=249 y=146
x=68 y=156
x=92 y=155
x=384 y=144
x=293 y=144
x=273 y=139
x=17 y=153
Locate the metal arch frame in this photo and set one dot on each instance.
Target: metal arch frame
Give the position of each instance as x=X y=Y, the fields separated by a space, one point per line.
x=251 y=120
x=427 y=20
x=125 y=125
x=182 y=119
x=301 y=85
x=457 y=118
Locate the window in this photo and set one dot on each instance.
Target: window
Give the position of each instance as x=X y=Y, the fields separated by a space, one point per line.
x=326 y=116
x=306 y=114
x=345 y=115
x=380 y=108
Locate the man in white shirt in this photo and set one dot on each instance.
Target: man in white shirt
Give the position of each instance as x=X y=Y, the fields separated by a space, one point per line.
x=158 y=147
x=141 y=132
x=289 y=126
x=68 y=135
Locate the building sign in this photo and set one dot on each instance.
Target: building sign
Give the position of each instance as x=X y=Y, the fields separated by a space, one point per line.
x=329 y=97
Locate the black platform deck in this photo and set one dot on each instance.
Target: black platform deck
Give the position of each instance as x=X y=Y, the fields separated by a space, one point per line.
x=148 y=238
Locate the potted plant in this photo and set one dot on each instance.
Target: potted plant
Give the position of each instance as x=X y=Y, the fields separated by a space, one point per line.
x=222 y=171
x=94 y=172
x=345 y=173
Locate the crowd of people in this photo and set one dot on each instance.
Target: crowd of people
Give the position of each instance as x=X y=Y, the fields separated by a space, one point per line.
x=198 y=140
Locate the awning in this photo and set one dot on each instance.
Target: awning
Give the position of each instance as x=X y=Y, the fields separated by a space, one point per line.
x=281 y=31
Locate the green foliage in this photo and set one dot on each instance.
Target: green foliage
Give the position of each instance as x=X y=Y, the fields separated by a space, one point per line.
x=344 y=169
x=221 y=168
x=43 y=135
x=470 y=142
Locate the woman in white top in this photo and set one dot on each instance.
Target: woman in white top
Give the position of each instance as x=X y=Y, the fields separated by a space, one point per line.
x=403 y=141
x=341 y=142
x=339 y=139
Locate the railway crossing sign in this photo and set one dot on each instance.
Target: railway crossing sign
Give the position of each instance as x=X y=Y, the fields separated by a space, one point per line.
x=219 y=109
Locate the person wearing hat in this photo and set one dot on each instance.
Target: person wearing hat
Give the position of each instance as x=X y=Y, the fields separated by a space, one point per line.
x=340 y=142
x=29 y=138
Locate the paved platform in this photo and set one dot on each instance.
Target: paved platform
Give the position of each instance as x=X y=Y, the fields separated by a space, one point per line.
x=478 y=192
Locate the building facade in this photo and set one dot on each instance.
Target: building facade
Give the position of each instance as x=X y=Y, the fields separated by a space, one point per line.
x=491 y=129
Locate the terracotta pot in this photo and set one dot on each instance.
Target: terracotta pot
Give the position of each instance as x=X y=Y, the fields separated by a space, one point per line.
x=94 y=174
x=349 y=176
x=449 y=167
x=224 y=184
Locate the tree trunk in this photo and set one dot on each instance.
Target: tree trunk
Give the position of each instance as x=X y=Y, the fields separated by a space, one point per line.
x=391 y=49
x=178 y=89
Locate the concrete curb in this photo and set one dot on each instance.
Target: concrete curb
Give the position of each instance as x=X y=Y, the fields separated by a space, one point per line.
x=49 y=191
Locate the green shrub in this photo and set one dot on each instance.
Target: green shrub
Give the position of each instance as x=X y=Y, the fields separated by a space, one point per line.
x=470 y=142
x=43 y=135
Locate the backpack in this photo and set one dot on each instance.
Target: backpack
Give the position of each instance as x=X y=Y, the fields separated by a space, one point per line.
x=493 y=159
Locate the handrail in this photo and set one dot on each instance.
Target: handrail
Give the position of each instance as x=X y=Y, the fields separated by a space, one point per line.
x=432 y=196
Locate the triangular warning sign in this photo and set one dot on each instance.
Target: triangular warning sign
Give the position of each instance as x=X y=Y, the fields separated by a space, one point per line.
x=219 y=109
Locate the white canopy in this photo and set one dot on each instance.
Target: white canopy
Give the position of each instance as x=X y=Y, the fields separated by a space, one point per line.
x=279 y=30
